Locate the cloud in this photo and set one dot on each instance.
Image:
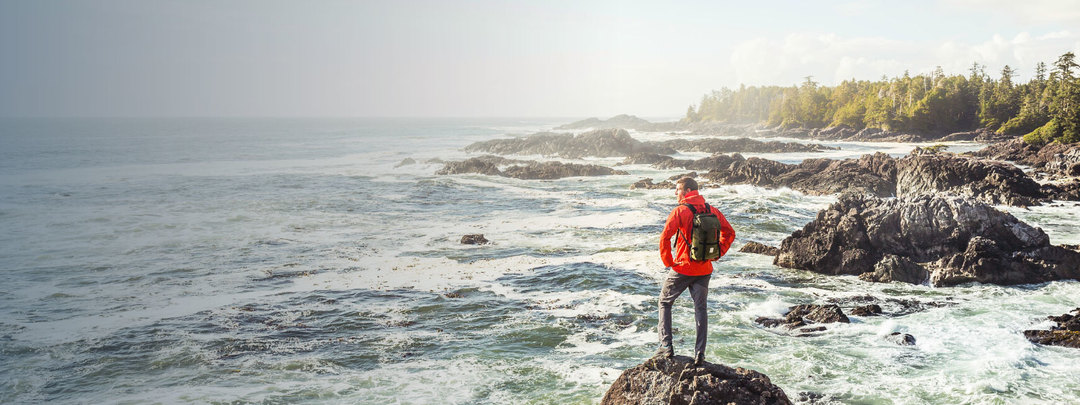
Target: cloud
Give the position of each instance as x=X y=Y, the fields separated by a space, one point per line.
x=831 y=58
x=1027 y=11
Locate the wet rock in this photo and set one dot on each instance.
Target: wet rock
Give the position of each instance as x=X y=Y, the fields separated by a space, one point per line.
x=759 y=248
x=404 y=162
x=742 y=145
x=524 y=169
x=557 y=170
x=902 y=339
x=807 y=314
x=987 y=181
x=600 y=143
x=692 y=175
x=676 y=380
x=870 y=174
x=867 y=310
x=647 y=184
x=955 y=240
x=1055 y=159
x=1065 y=333
x=474 y=239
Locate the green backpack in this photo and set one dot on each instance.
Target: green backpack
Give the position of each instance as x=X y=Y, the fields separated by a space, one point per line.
x=704 y=235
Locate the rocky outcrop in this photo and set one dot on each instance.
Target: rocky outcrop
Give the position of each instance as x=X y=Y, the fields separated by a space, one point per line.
x=474 y=239
x=622 y=121
x=1055 y=159
x=526 y=170
x=869 y=174
x=867 y=310
x=868 y=305
x=987 y=181
x=742 y=145
x=949 y=240
x=405 y=162
x=676 y=380
x=845 y=133
x=1065 y=333
x=600 y=143
x=759 y=248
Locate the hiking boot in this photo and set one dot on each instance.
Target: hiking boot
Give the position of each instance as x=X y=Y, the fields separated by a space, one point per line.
x=665 y=351
x=699 y=359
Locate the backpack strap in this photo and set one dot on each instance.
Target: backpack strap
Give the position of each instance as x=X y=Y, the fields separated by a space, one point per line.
x=679 y=231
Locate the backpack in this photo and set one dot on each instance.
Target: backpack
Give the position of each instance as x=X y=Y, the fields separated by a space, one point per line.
x=704 y=241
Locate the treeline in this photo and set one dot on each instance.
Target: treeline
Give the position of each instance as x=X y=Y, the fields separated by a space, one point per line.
x=1045 y=109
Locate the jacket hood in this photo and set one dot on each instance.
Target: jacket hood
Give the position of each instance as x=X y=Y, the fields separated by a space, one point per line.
x=693 y=198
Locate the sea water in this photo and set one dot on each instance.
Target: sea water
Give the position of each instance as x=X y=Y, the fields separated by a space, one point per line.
x=299 y=260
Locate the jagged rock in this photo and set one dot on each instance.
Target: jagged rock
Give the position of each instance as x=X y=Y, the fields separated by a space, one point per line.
x=601 y=143
x=488 y=165
x=803 y=315
x=1065 y=333
x=902 y=339
x=622 y=121
x=676 y=380
x=990 y=182
x=744 y=145
x=870 y=174
x=867 y=310
x=759 y=248
x=692 y=175
x=954 y=239
x=474 y=239
x=557 y=170
x=896 y=268
x=524 y=169
x=406 y=161
x=647 y=184
x=1056 y=159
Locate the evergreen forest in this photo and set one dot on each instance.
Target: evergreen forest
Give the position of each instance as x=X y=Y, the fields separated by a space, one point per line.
x=1045 y=109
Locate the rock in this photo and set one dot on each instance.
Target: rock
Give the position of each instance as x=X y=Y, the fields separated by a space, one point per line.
x=676 y=380
x=743 y=145
x=990 y=182
x=677 y=177
x=600 y=143
x=1065 y=333
x=902 y=339
x=557 y=170
x=647 y=184
x=803 y=315
x=474 y=239
x=954 y=239
x=524 y=169
x=867 y=310
x=874 y=174
x=622 y=121
x=488 y=165
x=406 y=161
x=759 y=248
x=1055 y=159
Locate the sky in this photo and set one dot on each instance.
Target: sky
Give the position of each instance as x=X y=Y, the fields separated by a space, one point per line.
x=487 y=58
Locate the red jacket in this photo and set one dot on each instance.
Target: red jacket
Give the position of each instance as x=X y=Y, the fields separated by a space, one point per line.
x=681 y=219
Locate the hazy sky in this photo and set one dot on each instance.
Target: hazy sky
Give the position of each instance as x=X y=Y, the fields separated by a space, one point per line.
x=486 y=58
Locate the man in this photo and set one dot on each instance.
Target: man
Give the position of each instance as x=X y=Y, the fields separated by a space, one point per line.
x=686 y=273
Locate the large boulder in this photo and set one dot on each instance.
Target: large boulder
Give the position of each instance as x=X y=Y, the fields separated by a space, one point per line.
x=987 y=181
x=601 y=143
x=945 y=240
x=676 y=380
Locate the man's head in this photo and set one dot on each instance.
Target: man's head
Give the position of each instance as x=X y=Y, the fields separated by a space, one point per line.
x=684 y=185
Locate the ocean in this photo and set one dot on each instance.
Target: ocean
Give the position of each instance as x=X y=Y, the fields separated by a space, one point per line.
x=187 y=260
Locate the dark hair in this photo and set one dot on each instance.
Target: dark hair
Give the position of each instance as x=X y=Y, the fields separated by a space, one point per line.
x=688 y=184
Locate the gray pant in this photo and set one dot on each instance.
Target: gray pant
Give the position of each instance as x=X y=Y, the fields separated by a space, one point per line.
x=699 y=291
